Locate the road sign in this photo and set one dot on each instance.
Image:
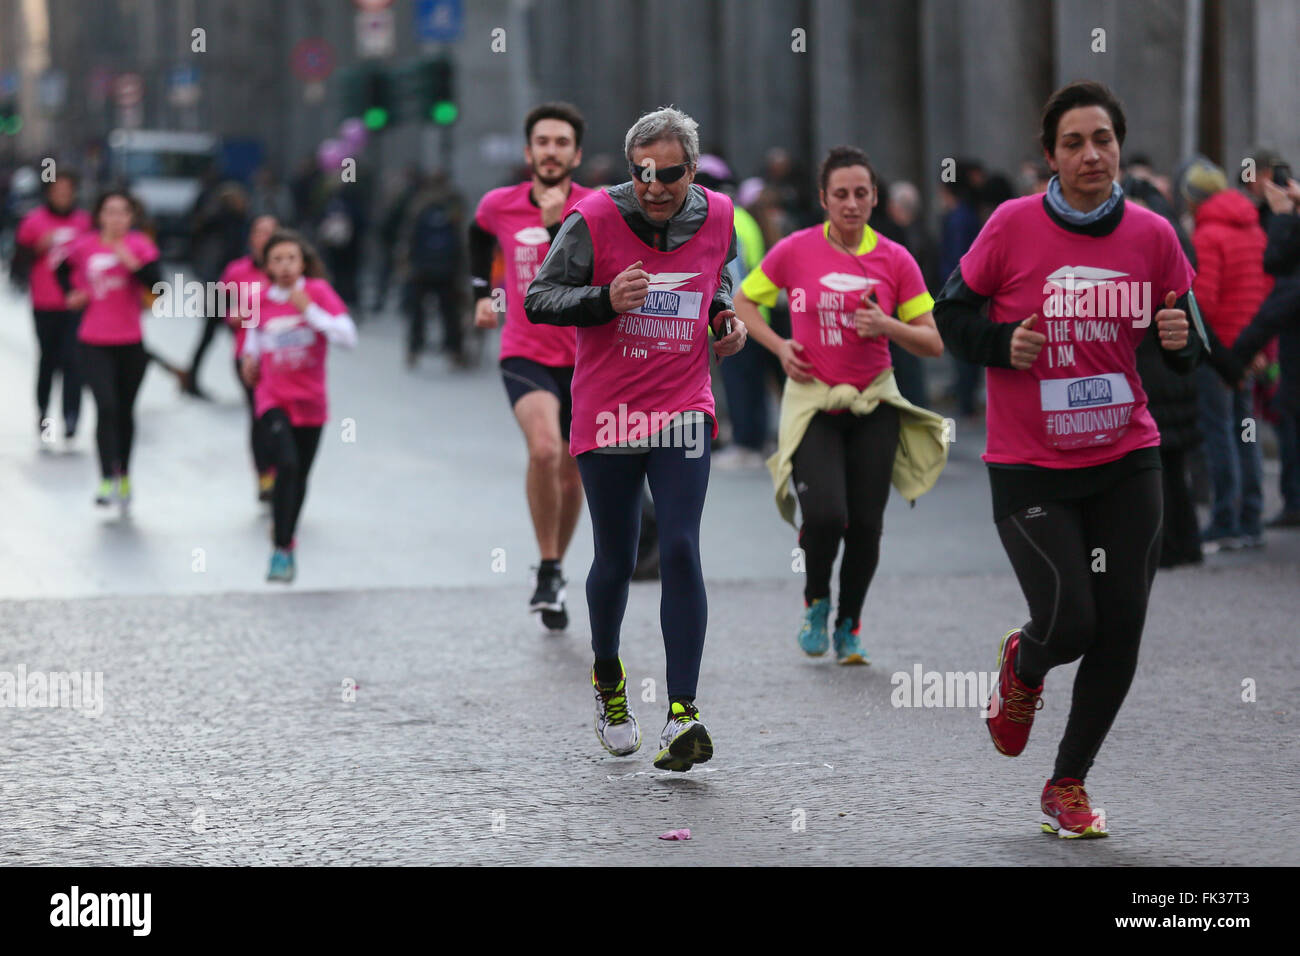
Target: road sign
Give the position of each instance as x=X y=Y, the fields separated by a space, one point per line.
x=312 y=60
x=128 y=89
x=183 y=86
x=376 y=33
x=9 y=82
x=438 y=21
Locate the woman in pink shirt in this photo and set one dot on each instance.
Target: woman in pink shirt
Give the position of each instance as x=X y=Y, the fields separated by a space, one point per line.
x=283 y=360
x=247 y=271
x=852 y=292
x=1072 y=280
x=110 y=270
x=45 y=236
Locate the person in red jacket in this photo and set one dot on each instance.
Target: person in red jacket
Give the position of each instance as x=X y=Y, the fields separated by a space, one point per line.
x=1230 y=285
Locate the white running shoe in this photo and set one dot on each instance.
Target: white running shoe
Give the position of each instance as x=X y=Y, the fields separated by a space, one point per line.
x=616 y=725
x=685 y=740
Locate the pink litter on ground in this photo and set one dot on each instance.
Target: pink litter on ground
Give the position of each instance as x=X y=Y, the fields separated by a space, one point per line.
x=683 y=834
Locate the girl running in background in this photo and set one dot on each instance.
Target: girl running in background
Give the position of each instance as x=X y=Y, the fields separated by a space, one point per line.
x=1072 y=279
x=109 y=271
x=843 y=420
x=46 y=235
x=283 y=360
x=245 y=271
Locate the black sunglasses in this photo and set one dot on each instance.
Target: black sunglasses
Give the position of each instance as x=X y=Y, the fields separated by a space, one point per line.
x=666 y=174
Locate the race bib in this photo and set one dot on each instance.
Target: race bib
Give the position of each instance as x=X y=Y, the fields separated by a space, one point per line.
x=1089 y=411
x=665 y=322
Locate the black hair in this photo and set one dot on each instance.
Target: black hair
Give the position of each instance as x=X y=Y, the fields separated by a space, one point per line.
x=111 y=193
x=566 y=112
x=312 y=265
x=842 y=157
x=1074 y=95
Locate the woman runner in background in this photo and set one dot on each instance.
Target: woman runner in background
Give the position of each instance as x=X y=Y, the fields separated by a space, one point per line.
x=246 y=271
x=841 y=412
x=46 y=235
x=108 y=271
x=283 y=359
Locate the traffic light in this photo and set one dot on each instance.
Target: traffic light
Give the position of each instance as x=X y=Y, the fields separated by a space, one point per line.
x=368 y=93
x=11 y=121
x=436 y=92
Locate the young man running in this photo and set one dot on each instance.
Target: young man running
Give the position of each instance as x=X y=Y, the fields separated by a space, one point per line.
x=536 y=360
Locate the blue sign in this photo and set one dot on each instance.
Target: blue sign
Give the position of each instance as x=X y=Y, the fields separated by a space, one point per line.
x=9 y=82
x=183 y=76
x=438 y=21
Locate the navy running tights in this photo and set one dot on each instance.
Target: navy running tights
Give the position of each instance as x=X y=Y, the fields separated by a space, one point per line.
x=678 y=484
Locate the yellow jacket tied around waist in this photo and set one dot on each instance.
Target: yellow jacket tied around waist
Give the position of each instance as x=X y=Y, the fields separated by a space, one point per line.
x=922 y=448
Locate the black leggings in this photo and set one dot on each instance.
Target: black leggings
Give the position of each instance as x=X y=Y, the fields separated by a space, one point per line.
x=842 y=470
x=114 y=374
x=291 y=449
x=56 y=332
x=210 y=326
x=1076 y=611
x=261 y=458
x=678 y=483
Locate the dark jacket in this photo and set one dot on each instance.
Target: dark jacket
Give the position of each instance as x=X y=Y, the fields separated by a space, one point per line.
x=1171 y=397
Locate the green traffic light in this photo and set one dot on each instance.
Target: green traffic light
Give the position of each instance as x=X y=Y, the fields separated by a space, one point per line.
x=375 y=118
x=444 y=113
x=12 y=126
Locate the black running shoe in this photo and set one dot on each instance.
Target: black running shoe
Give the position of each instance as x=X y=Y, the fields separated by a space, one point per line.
x=556 y=620
x=549 y=594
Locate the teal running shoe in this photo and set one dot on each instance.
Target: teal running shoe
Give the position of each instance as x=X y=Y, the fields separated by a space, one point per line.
x=282 y=566
x=847 y=648
x=813 y=639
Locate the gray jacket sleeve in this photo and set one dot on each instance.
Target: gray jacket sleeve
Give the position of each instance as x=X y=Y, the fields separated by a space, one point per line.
x=722 y=298
x=561 y=293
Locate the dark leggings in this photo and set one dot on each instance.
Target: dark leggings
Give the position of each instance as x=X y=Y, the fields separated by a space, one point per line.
x=210 y=326
x=678 y=484
x=56 y=332
x=842 y=470
x=114 y=374
x=261 y=458
x=292 y=449
x=1076 y=611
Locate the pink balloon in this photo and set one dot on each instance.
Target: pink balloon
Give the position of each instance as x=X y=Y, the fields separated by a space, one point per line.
x=353 y=132
x=330 y=155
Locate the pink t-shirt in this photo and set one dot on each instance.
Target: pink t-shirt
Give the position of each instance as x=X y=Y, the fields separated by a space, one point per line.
x=826 y=285
x=509 y=214
x=633 y=373
x=292 y=358
x=112 y=315
x=1081 y=403
x=242 y=271
x=63 y=231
